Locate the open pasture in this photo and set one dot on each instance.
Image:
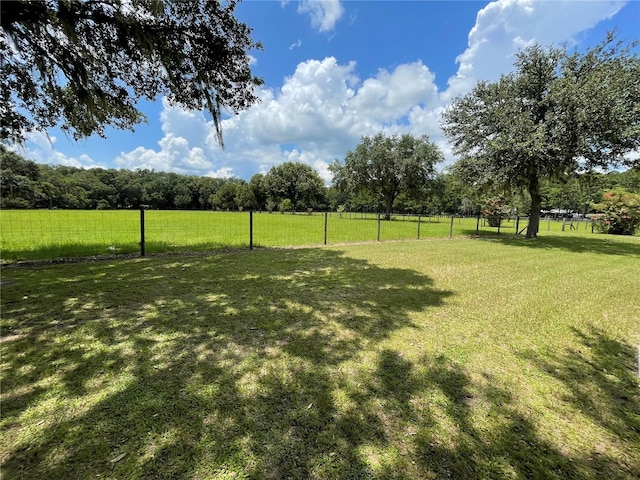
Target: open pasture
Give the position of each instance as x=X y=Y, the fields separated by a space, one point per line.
x=468 y=358
x=46 y=234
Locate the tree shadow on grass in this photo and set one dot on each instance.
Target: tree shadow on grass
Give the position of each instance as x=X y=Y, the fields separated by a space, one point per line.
x=602 y=384
x=254 y=365
x=602 y=244
x=191 y=367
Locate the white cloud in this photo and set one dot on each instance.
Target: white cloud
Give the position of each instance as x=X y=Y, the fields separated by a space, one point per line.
x=324 y=13
x=505 y=26
x=295 y=44
x=40 y=148
x=224 y=172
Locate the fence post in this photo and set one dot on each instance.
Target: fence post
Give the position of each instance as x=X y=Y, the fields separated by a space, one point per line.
x=142 y=246
x=250 y=229
x=326 y=218
x=378 y=227
x=451 y=228
x=418 y=227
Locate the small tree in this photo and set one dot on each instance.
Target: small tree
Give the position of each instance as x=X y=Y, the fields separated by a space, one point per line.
x=286 y=205
x=620 y=213
x=494 y=211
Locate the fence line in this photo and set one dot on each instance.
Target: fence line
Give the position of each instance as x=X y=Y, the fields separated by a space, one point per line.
x=44 y=234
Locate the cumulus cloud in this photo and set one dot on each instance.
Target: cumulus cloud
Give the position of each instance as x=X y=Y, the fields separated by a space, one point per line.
x=40 y=148
x=505 y=26
x=324 y=13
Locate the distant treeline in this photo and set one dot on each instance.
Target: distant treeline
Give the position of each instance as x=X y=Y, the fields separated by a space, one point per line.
x=287 y=187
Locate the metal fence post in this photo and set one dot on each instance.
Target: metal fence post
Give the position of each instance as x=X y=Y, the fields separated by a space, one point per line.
x=250 y=229
x=326 y=219
x=142 y=246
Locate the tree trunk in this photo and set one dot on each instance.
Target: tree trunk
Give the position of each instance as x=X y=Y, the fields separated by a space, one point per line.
x=536 y=203
x=388 y=207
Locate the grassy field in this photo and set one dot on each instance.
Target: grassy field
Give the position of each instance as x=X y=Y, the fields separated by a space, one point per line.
x=468 y=358
x=46 y=234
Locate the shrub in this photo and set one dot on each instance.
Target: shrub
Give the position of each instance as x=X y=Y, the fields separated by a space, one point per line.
x=494 y=211
x=286 y=205
x=620 y=213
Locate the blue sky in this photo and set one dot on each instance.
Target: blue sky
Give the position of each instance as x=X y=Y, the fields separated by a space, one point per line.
x=335 y=71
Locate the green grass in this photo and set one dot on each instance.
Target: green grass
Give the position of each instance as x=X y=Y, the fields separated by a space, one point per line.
x=47 y=234
x=467 y=358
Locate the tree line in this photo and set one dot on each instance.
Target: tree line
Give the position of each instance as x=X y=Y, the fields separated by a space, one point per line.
x=285 y=188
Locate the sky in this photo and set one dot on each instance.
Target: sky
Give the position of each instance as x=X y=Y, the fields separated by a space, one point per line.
x=336 y=71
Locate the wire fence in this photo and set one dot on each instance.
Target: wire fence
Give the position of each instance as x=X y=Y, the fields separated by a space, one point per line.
x=48 y=234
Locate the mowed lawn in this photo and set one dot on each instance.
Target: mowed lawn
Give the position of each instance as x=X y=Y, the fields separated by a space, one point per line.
x=465 y=358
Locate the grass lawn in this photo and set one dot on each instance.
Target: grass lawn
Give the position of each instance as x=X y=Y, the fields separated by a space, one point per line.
x=467 y=358
x=47 y=234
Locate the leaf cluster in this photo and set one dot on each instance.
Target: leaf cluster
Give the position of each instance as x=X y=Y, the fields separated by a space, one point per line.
x=88 y=63
x=557 y=113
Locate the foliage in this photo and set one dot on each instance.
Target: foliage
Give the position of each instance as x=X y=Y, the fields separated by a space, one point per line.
x=226 y=197
x=495 y=210
x=88 y=63
x=384 y=167
x=556 y=114
x=620 y=213
x=286 y=205
x=297 y=182
x=26 y=184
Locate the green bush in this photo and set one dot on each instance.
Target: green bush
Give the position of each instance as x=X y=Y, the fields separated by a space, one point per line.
x=494 y=211
x=286 y=205
x=620 y=213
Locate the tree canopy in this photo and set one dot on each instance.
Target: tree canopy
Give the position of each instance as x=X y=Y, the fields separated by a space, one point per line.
x=556 y=114
x=297 y=182
x=384 y=167
x=88 y=63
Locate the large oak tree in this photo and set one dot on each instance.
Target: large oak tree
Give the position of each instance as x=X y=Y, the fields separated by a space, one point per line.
x=296 y=182
x=87 y=63
x=556 y=114
x=384 y=167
